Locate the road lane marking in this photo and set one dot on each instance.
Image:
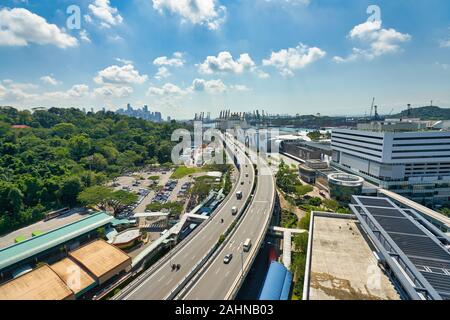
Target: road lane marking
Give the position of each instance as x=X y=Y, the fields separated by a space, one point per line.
x=161 y=278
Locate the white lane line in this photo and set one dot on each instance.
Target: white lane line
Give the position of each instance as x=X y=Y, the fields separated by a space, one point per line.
x=227 y=274
x=161 y=278
x=218 y=270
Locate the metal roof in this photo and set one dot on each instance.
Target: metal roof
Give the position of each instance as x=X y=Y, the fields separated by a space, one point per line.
x=414 y=245
x=28 y=248
x=278 y=283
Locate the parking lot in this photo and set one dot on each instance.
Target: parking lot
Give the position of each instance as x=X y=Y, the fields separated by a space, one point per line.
x=145 y=184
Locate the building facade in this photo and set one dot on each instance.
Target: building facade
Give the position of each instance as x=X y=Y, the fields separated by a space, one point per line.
x=413 y=164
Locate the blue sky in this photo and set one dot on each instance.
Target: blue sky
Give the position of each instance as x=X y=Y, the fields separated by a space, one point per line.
x=186 y=56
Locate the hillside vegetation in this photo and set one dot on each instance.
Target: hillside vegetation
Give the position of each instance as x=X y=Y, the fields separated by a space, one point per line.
x=65 y=151
x=426 y=113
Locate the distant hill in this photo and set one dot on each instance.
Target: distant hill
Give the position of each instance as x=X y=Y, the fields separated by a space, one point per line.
x=426 y=113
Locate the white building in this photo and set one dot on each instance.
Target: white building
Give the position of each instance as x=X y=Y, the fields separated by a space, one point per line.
x=413 y=164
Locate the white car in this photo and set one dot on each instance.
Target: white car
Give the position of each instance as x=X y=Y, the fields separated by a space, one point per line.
x=227 y=258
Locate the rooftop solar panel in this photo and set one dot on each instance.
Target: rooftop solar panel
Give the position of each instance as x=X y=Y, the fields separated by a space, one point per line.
x=385 y=212
x=375 y=202
x=431 y=263
x=440 y=282
x=420 y=247
x=425 y=252
x=400 y=225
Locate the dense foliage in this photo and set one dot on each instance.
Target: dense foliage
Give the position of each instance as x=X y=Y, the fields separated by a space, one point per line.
x=64 y=151
x=288 y=181
x=425 y=113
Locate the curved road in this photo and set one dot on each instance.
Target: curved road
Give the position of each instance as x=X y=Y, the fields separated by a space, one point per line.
x=220 y=280
x=160 y=283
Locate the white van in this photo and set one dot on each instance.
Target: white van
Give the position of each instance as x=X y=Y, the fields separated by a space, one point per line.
x=234 y=211
x=247 y=245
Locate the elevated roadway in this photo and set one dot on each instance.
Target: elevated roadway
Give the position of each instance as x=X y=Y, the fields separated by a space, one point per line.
x=161 y=282
x=220 y=281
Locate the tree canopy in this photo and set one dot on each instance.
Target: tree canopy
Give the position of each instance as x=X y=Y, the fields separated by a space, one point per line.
x=59 y=153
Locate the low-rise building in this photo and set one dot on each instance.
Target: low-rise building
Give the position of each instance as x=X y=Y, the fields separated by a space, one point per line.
x=51 y=246
x=42 y=283
x=340 y=262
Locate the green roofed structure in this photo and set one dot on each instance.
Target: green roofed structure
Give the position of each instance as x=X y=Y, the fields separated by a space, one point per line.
x=44 y=246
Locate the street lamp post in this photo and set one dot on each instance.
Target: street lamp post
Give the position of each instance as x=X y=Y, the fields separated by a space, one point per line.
x=242 y=262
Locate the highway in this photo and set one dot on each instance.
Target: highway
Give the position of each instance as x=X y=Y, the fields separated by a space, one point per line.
x=220 y=281
x=163 y=281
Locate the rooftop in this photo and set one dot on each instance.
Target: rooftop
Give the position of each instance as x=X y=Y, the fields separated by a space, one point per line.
x=100 y=257
x=414 y=249
x=127 y=236
x=28 y=248
x=73 y=275
x=342 y=264
x=40 y=284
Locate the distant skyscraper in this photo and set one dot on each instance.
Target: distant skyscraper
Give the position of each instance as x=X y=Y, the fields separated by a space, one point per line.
x=143 y=113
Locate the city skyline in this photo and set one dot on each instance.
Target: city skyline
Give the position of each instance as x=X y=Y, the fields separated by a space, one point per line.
x=286 y=57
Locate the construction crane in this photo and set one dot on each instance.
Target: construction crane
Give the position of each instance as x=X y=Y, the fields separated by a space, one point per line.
x=372 y=107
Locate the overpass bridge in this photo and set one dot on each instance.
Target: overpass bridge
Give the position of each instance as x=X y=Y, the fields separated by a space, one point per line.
x=160 y=282
x=219 y=281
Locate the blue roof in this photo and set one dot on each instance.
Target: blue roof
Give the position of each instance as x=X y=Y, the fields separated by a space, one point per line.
x=28 y=248
x=278 y=282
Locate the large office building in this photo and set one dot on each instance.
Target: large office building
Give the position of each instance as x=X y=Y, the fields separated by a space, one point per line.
x=414 y=164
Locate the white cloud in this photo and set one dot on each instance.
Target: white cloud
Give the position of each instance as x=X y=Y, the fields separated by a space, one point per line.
x=378 y=41
x=110 y=91
x=102 y=10
x=445 y=43
x=49 y=80
x=176 y=61
x=202 y=12
x=240 y=87
x=76 y=92
x=215 y=86
x=162 y=73
x=19 y=27
x=291 y=59
x=224 y=63
x=211 y=86
x=124 y=61
x=262 y=75
x=15 y=91
x=168 y=89
x=125 y=74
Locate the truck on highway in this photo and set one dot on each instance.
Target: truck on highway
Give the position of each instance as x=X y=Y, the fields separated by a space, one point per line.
x=239 y=195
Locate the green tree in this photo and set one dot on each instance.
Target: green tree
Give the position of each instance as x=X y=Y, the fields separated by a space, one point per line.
x=69 y=191
x=80 y=146
x=64 y=130
x=96 y=195
x=121 y=199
